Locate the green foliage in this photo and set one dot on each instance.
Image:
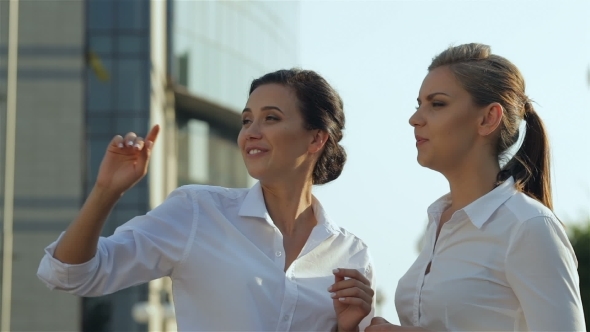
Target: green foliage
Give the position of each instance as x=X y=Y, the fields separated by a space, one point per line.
x=580 y=239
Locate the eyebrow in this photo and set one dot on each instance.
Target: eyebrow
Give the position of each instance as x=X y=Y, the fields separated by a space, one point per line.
x=430 y=96
x=265 y=108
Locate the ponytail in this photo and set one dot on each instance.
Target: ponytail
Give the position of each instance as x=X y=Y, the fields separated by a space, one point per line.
x=490 y=78
x=530 y=166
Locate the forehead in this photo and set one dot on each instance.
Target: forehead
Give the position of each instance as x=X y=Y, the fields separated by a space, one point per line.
x=272 y=95
x=440 y=79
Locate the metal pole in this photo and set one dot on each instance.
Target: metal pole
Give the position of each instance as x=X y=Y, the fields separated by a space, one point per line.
x=9 y=163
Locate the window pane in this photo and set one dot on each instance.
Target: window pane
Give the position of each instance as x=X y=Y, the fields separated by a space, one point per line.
x=198 y=151
x=131 y=198
x=240 y=170
x=138 y=125
x=100 y=126
x=100 y=14
x=126 y=214
x=182 y=69
x=96 y=149
x=131 y=86
x=101 y=45
x=99 y=92
x=132 y=14
x=133 y=45
x=221 y=162
x=181 y=150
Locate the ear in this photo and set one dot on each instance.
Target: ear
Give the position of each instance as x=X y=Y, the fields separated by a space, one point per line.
x=490 y=119
x=318 y=141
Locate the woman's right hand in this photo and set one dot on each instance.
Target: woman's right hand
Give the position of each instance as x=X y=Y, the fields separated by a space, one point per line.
x=125 y=162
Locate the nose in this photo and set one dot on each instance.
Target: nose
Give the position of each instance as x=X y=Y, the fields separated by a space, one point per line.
x=252 y=131
x=416 y=120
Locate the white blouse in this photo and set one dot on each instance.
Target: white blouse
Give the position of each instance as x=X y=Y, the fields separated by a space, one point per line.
x=503 y=263
x=226 y=260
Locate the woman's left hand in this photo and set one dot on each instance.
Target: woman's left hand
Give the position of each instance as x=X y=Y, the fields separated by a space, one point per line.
x=352 y=298
x=379 y=324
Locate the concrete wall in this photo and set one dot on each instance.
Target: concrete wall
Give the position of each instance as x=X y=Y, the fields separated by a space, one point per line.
x=49 y=151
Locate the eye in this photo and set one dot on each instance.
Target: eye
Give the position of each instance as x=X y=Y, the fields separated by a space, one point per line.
x=245 y=121
x=437 y=104
x=271 y=118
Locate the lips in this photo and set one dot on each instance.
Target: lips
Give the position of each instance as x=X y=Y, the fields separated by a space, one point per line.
x=420 y=140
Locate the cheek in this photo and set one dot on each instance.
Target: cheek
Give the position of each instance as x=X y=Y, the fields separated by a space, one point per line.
x=241 y=139
x=458 y=139
x=287 y=133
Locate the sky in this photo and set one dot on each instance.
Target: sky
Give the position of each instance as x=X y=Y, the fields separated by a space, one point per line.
x=375 y=53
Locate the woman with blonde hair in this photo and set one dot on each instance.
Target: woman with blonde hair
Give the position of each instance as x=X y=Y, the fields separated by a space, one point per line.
x=495 y=257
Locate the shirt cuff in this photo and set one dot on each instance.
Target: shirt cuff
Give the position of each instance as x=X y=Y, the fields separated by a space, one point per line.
x=56 y=274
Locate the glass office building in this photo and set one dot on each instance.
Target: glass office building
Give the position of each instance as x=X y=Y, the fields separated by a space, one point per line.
x=91 y=69
x=219 y=47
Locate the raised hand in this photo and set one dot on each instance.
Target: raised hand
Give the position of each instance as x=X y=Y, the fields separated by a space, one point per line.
x=125 y=162
x=352 y=298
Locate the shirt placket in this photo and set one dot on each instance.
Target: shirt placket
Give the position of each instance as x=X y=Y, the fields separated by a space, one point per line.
x=289 y=301
x=279 y=250
x=435 y=245
x=291 y=293
x=420 y=282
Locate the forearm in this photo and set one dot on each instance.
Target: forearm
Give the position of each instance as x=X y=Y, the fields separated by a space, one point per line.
x=79 y=243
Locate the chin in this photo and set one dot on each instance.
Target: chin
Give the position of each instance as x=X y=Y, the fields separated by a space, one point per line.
x=421 y=161
x=256 y=174
x=424 y=162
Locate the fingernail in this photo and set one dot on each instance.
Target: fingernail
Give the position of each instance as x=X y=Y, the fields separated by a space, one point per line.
x=341 y=299
x=333 y=295
x=130 y=143
x=329 y=288
x=136 y=146
x=335 y=270
x=120 y=145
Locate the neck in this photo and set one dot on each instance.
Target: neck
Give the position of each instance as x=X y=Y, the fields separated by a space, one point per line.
x=472 y=180
x=289 y=205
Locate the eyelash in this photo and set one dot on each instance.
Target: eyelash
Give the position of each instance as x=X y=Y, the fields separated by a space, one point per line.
x=434 y=104
x=268 y=117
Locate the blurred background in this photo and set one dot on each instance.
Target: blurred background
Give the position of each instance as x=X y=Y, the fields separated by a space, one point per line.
x=73 y=73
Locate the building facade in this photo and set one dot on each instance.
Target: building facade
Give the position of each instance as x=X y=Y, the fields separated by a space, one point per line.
x=91 y=69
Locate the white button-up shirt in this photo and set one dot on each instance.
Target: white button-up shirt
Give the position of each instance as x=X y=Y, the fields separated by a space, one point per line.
x=503 y=263
x=226 y=260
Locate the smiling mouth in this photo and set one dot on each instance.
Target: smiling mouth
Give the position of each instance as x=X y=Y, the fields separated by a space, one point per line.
x=255 y=152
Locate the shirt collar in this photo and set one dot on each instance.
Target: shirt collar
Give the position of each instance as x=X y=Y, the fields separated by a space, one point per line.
x=254 y=206
x=479 y=211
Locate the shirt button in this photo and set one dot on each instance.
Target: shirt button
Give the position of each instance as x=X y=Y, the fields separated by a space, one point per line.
x=278 y=253
x=286 y=318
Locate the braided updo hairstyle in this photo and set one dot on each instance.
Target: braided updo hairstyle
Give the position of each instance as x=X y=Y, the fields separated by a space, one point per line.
x=322 y=109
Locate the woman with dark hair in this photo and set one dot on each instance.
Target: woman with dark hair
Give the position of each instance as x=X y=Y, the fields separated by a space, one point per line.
x=266 y=258
x=495 y=257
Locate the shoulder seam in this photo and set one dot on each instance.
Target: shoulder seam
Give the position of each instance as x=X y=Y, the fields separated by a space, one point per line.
x=194 y=224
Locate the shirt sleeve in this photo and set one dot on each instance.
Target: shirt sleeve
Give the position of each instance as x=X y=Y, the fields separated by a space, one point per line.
x=145 y=248
x=541 y=268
